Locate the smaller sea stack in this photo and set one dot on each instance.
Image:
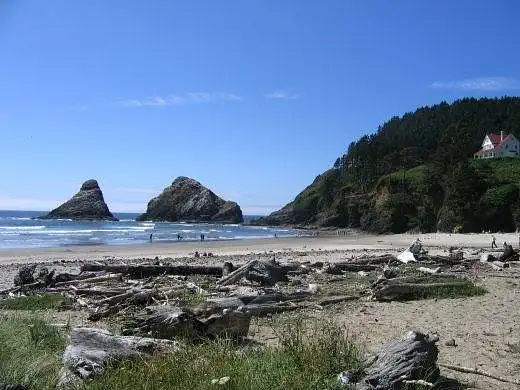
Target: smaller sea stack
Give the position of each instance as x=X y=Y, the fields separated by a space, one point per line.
x=87 y=204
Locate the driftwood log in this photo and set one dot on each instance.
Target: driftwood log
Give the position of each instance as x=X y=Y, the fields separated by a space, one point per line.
x=509 y=254
x=144 y=271
x=171 y=322
x=340 y=268
x=375 y=260
x=412 y=357
x=409 y=288
x=266 y=273
x=90 y=349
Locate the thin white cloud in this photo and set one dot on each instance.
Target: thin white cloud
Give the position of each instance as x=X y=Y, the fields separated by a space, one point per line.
x=282 y=95
x=479 y=84
x=174 y=100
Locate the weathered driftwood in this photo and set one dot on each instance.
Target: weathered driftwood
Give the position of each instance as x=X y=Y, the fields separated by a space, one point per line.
x=237 y=274
x=406 y=291
x=227 y=268
x=171 y=322
x=509 y=254
x=340 y=268
x=90 y=280
x=383 y=259
x=275 y=297
x=90 y=349
x=147 y=270
x=412 y=357
x=448 y=260
x=498 y=265
x=67 y=277
x=262 y=309
x=267 y=273
x=104 y=292
x=264 y=272
x=430 y=271
x=479 y=372
x=25 y=275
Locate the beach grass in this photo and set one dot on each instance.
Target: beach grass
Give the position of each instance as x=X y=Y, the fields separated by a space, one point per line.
x=309 y=355
x=35 y=302
x=30 y=352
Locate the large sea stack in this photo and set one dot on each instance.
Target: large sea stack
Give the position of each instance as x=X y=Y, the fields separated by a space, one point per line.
x=87 y=204
x=188 y=200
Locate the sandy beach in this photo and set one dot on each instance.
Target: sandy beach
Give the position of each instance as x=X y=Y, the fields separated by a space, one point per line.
x=325 y=241
x=483 y=327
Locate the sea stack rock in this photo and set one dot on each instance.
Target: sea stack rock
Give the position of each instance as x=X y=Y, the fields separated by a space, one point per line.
x=188 y=200
x=87 y=204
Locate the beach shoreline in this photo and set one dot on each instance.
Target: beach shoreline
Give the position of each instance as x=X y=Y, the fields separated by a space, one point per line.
x=358 y=242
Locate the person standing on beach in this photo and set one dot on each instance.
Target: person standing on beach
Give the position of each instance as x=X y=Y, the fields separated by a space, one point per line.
x=494 y=243
x=151 y=237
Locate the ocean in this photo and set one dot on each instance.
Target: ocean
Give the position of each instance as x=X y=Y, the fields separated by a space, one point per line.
x=19 y=230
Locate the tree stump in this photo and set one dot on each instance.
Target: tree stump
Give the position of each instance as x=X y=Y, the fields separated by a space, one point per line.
x=412 y=357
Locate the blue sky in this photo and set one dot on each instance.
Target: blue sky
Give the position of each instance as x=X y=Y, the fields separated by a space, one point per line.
x=253 y=98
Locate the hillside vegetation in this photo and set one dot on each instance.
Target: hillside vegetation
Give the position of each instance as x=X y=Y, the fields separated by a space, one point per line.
x=416 y=173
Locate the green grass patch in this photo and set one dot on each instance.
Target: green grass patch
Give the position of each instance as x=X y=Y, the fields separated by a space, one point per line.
x=35 y=302
x=30 y=352
x=414 y=175
x=505 y=170
x=309 y=355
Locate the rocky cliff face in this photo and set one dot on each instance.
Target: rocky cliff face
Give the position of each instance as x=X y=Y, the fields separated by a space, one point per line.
x=87 y=204
x=188 y=200
x=312 y=207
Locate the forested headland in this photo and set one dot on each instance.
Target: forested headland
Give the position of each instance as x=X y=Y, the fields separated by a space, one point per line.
x=417 y=173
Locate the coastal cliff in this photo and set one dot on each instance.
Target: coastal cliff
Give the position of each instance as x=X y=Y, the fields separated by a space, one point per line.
x=188 y=200
x=87 y=204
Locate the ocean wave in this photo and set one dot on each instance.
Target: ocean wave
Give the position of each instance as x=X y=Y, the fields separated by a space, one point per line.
x=81 y=231
x=22 y=227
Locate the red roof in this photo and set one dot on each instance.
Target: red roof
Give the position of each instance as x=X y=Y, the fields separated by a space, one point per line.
x=495 y=140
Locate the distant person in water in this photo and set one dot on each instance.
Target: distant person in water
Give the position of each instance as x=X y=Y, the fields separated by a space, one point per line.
x=202 y=237
x=151 y=237
x=179 y=237
x=494 y=243
x=275 y=235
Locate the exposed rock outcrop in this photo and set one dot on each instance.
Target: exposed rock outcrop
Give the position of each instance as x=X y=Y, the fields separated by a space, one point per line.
x=188 y=200
x=87 y=204
x=312 y=207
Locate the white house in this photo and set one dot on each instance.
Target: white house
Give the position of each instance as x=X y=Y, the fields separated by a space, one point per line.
x=499 y=145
